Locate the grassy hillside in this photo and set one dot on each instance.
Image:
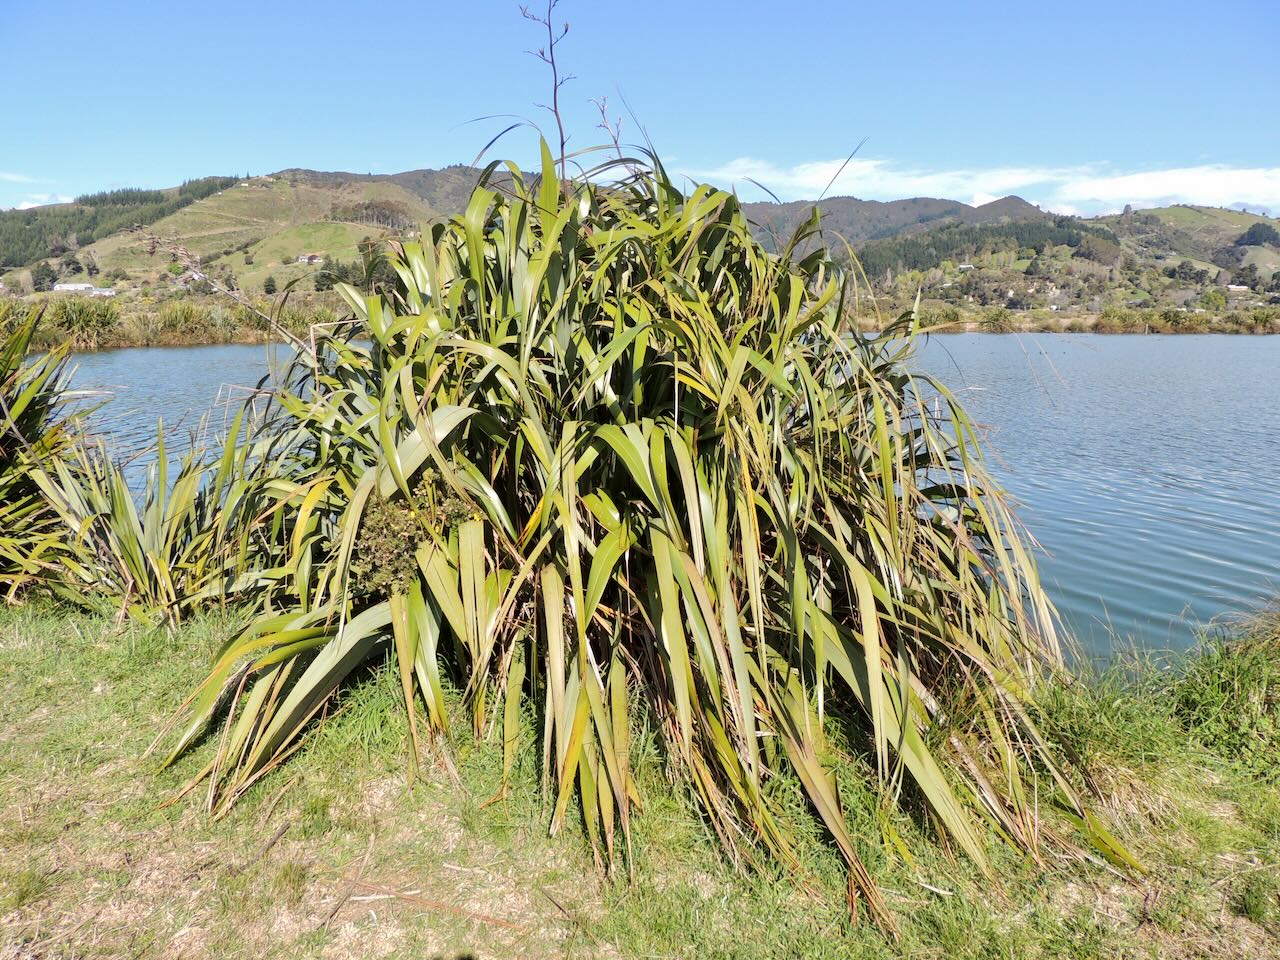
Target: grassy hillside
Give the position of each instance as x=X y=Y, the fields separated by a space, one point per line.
x=1177 y=260
x=29 y=235
x=274 y=219
x=280 y=217
x=276 y=255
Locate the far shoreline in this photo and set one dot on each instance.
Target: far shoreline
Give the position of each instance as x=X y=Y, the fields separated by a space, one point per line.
x=100 y=324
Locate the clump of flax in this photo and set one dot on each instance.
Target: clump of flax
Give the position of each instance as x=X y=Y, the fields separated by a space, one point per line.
x=385 y=559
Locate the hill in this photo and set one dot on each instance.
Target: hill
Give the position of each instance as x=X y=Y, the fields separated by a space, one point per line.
x=251 y=228
x=29 y=235
x=1179 y=259
x=1005 y=253
x=246 y=229
x=859 y=221
x=260 y=227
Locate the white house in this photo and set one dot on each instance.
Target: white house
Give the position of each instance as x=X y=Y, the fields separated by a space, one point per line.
x=102 y=292
x=965 y=267
x=309 y=258
x=1237 y=288
x=73 y=287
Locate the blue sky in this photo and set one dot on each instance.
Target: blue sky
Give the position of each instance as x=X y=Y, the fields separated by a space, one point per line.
x=1080 y=106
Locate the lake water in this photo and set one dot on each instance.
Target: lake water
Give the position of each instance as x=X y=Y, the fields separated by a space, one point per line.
x=1147 y=467
x=196 y=391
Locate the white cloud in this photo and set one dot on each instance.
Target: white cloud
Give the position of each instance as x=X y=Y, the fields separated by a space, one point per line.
x=15 y=178
x=1084 y=189
x=40 y=199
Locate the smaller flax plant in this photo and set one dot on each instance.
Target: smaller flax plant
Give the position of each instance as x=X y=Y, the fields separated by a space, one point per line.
x=36 y=425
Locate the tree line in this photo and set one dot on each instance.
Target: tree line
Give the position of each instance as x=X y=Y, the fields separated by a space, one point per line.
x=376 y=213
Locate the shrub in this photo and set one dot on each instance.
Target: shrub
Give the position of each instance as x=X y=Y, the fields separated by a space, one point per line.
x=940 y=316
x=144 y=328
x=220 y=324
x=997 y=318
x=631 y=456
x=183 y=316
x=1122 y=320
x=85 y=319
x=182 y=542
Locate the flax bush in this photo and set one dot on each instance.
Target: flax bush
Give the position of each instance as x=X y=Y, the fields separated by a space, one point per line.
x=598 y=446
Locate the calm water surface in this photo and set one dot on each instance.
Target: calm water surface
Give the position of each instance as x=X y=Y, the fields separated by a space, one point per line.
x=1147 y=467
x=196 y=391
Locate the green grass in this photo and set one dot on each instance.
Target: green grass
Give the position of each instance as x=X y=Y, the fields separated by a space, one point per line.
x=93 y=866
x=1230 y=697
x=1266 y=259
x=1212 y=223
x=277 y=254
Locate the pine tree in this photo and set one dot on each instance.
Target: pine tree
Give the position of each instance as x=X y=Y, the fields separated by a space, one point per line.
x=42 y=276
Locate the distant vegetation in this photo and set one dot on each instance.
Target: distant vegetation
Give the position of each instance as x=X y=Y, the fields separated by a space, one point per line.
x=30 y=235
x=1189 y=267
x=1259 y=234
x=92 y=323
x=378 y=213
x=960 y=241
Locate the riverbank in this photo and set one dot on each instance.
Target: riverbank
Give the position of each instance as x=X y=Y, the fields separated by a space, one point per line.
x=1114 y=320
x=1179 y=755
x=207 y=320
x=98 y=323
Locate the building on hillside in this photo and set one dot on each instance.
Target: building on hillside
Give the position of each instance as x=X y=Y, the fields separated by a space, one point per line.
x=102 y=292
x=73 y=287
x=310 y=258
x=1237 y=288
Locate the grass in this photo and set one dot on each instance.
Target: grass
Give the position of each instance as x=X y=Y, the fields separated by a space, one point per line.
x=277 y=254
x=1217 y=220
x=93 y=865
x=1230 y=697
